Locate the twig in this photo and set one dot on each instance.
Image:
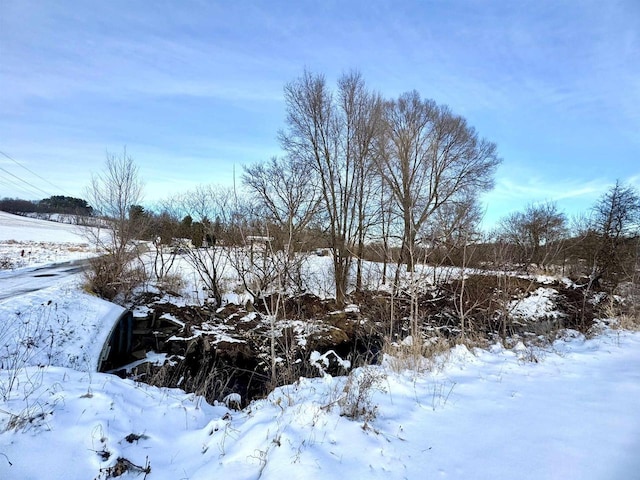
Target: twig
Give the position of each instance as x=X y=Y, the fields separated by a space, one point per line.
x=8 y=461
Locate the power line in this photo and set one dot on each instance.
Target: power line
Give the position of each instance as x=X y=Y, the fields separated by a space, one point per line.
x=17 y=189
x=34 y=173
x=15 y=186
x=24 y=181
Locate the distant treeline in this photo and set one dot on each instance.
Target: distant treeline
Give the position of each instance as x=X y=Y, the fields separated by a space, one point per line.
x=55 y=204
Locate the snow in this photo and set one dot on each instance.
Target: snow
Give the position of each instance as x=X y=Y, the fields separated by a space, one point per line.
x=57 y=324
x=28 y=242
x=537 y=306
x=61 y=326
x=152 y=358
x=321 y=361
x=483 y=415
x=567 y=410
x=15 y=227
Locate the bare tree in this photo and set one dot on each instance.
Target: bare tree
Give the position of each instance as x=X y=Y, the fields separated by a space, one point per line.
x=289 y=198
x=289 y=195
x=112 y=194
x=384 y=224
x=165 y=232
x=616 y=220
x=333 y=137
x=362 y=116
x=537 y=233
x=429 y=159
x=211 y=207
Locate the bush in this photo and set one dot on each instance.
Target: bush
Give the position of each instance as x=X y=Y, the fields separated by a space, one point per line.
x=113 y=279
x=356 y=402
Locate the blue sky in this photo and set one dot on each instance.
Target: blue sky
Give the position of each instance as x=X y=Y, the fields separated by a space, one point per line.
x=194 y=88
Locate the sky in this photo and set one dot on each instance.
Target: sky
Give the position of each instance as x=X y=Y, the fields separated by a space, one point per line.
x=194 y=89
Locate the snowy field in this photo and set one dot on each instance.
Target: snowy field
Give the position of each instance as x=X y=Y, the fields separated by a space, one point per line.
x=565 y=411
x=31 y=242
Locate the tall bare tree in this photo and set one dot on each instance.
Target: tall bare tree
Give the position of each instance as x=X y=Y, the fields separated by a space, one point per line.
x=361 y=111
x=333 y=137
x=429 y=158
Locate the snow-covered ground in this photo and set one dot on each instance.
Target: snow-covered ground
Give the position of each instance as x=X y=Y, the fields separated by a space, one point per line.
x=482 y=415
x=18 y=228
x=28 y=241
x=566 y=411
x=60 y=325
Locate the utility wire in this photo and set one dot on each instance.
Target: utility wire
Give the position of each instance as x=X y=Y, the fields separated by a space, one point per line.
x=34 y=173
x=18 y=190
x=24 y=181
x=16 y=186
x=5 y=180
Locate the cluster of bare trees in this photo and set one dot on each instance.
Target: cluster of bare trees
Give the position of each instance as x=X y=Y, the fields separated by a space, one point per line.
x=359 y=170
x=404 y=172
x=602 y=245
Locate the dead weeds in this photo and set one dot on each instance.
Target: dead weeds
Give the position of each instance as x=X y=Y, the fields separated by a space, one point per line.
x=123 y=466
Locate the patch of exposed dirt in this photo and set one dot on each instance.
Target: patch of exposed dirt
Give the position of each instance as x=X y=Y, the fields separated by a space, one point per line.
x=219 y=352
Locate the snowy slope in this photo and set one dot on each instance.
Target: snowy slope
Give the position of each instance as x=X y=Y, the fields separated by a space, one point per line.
x=18 y=228
x=487 y=415
x=28 y=242
x=61 y=326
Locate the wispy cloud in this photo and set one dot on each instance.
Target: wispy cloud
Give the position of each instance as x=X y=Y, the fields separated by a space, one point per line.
x=554 y=84
x=535 y=189
x=573 y=196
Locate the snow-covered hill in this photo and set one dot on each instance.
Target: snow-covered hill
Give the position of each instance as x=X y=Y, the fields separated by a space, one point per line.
x=19 y=229
x=28 y=241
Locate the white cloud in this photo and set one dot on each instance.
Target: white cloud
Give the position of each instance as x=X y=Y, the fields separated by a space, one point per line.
x=542 y=189
x=546 y=80
x=573 y=196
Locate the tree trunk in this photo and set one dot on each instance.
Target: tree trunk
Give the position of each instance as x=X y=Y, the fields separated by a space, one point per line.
x=359 y=265
x=341 y=276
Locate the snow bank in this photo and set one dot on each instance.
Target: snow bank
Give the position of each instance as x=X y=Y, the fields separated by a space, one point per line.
x=537 y=306
x=60 y=326
x=485 y=415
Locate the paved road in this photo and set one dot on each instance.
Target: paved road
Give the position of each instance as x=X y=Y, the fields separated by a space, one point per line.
x=15 y=283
